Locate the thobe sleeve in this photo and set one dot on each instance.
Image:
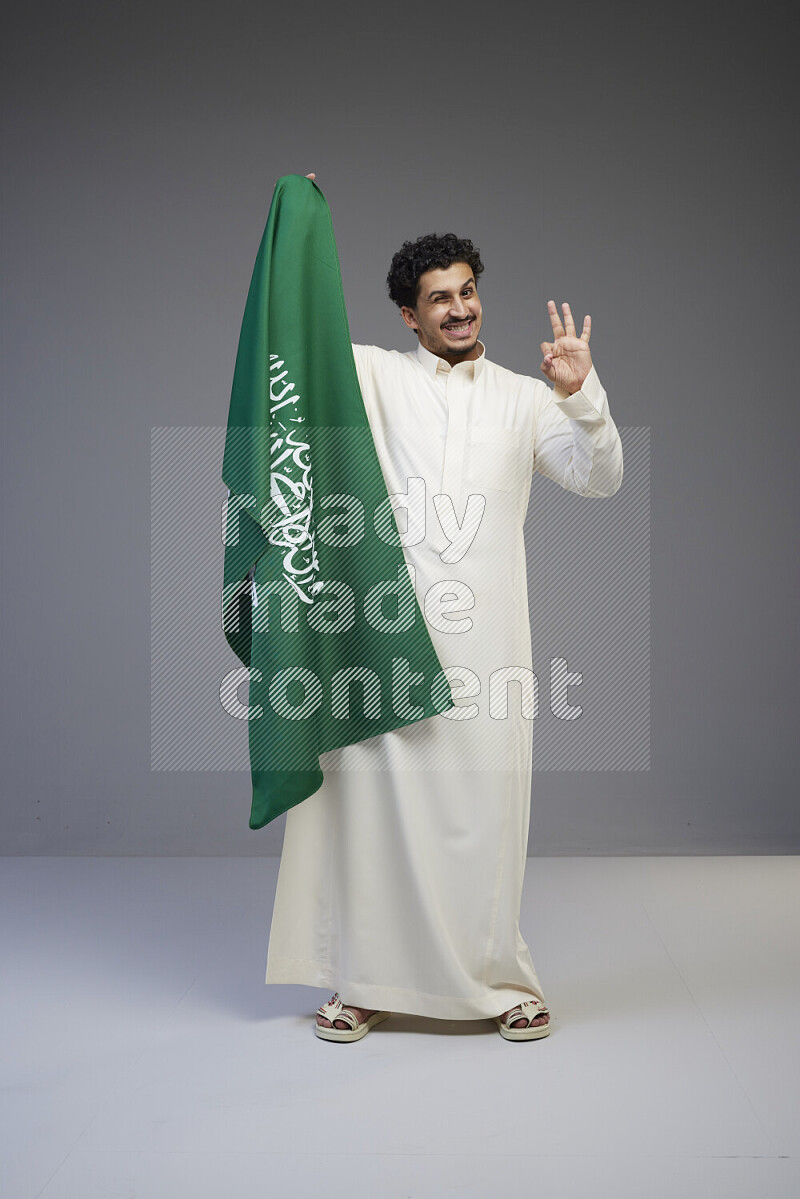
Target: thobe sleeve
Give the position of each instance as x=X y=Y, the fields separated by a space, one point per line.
x=575 y=441
x=364 y=359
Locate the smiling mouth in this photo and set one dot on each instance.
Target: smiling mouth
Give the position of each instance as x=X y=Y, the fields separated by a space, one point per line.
x=459 y=330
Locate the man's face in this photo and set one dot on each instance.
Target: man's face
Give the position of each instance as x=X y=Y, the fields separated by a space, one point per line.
x=447 y=314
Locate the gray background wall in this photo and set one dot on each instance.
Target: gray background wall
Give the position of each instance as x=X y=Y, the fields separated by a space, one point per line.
x=640 y=163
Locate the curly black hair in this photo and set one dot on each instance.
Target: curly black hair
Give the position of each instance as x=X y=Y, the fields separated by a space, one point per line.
x=432 y=251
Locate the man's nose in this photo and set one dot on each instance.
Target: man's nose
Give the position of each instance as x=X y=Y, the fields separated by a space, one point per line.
x=459 y=307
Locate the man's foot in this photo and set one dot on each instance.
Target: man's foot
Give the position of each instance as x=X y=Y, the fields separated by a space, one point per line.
x=361 y=1014
x=521 y=1022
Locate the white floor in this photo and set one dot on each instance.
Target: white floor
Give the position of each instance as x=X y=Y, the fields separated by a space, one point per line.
x=144 y=1056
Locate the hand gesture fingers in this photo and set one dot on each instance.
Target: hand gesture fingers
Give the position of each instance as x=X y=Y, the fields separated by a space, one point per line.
x=566 y=360
x=555 y=321
x=568 y=328
x=311 y=176
x=569 y=324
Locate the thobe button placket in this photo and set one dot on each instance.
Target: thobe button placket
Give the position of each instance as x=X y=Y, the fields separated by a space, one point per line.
x=456 y=384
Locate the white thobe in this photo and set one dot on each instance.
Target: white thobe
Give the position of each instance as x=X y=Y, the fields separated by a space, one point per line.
x=401 y=878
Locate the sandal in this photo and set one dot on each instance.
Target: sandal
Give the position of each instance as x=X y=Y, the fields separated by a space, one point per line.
x=333 y=1010
x=529 y=1010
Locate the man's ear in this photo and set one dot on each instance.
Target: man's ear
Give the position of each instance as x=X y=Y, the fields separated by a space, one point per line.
x=409 y=317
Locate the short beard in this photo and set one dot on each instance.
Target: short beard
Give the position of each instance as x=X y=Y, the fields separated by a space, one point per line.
x=461 y=349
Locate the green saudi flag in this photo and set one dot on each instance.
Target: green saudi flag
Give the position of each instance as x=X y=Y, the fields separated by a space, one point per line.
x=318 y=603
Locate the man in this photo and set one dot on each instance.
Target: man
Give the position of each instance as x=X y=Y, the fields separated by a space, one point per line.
x=401 y=878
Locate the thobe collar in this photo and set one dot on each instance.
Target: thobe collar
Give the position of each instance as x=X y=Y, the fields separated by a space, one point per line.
x=435 y=365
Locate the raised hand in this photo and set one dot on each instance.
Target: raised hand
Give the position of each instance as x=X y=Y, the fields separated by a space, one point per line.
x=567 y=360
